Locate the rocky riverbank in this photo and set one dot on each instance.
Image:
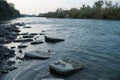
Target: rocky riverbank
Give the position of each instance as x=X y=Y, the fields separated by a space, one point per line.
x=8 y=33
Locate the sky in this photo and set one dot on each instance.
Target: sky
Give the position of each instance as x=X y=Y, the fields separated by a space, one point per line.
x=43 y=6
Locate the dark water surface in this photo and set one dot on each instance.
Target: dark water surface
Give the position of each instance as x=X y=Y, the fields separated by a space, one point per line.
x=95 y=42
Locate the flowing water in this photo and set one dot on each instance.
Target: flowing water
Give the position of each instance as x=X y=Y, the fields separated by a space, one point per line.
x=95 y=42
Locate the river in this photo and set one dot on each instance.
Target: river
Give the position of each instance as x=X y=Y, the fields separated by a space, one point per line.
x=94 y=42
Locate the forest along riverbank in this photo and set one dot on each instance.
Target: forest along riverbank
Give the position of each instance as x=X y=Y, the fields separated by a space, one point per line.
x=8 y=33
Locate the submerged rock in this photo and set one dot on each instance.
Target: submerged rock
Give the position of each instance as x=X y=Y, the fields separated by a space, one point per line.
x=22 y=46
x=66 y=66
x=37 y=42
x=53 y=40
x=38 y=55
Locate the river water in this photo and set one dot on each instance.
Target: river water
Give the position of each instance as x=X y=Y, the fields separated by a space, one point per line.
x=94 y=42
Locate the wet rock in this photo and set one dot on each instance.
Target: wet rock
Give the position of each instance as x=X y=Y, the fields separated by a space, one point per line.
x=66 y=66
x=14 y=33
x=20 y=24
x=53 y=40
x=8 y=33
x=3 y=40
x=42 y=33
x=4 y=71
x=12 y=47
x=28 y=36
x=38 y=55
x=17 y=30
x=33 y=34
x=10 y=62
x=22 y=46
x=23 y=40
x=24 y=33
x=27 y=27
x=20 y=51
x=37 y=42
x=5 y=52
x=10 y=68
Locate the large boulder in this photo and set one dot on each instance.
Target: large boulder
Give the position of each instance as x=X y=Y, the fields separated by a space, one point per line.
x=37 y=42
x=66 y=66
x=38 y=55
x=52 y=39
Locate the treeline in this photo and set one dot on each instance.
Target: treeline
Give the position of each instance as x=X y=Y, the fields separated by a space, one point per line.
x=101 y=9
x=7 y=10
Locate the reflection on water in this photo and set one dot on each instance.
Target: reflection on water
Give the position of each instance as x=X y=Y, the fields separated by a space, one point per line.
x=95 y=42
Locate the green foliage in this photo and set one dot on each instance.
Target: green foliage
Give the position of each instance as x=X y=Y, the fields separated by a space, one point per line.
x=7 y=10
x=100 y=10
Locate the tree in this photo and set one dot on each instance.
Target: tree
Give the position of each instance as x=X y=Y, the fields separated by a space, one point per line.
x=100 y=10
x=7 y=10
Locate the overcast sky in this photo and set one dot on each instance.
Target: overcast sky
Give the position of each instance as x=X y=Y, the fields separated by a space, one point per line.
x=42 y=6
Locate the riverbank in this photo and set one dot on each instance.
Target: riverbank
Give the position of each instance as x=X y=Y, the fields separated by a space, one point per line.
x=8 y=33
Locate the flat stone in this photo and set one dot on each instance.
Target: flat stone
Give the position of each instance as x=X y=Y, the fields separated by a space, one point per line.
x=22 y=46
x=28 y=36
x=24 y=33
x=66 y=66
x=37 y=42
x=53 y=40
x=38 y=55
x=12 y=47
x=20 y=24
x=33 y=33
x=27 y=27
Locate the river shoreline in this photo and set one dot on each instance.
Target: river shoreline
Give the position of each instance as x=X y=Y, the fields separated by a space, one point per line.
x=8 y=33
